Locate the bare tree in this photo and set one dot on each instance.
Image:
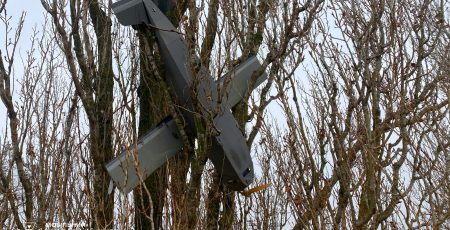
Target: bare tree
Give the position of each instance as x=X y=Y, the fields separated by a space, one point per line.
x=362 y=127
x=42 y=111
x=89 y=61
x=350 y=129
x=14 y=146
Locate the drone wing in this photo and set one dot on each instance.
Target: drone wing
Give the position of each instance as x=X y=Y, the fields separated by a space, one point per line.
x=137 y=162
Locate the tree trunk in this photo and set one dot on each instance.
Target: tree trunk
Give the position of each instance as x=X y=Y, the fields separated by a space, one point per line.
x=101 y=125
x=152 y=111
x=152 y=91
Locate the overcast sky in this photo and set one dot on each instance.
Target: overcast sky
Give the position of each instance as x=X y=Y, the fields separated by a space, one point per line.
x=34 y=17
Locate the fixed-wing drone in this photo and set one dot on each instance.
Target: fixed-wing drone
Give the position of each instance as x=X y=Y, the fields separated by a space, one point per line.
x=230 y=153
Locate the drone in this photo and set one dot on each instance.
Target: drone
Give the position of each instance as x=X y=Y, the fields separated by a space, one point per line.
x=230 y=154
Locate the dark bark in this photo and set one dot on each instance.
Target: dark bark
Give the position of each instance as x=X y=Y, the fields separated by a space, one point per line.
x=152 y=111
x=152 y=91
x=101 y=126
x=213 y=204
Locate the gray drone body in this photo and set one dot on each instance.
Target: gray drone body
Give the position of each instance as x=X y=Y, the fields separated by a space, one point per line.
x=230 y=154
